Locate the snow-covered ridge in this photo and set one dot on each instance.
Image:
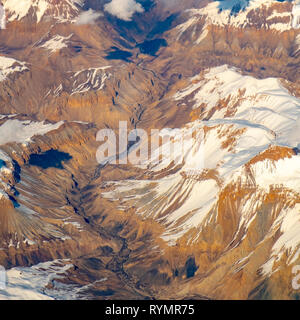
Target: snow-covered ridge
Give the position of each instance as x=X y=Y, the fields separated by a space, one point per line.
x=261 y=103
x=262 y=114
x=237 y=13
x=9 y=66
x=62 y=10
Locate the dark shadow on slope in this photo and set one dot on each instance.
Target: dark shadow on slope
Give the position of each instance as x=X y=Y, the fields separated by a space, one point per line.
x=162 y=26
x=14 y=202
x=151 y=47
x=49 y=159
x=118 y=54
x=191 y=267
x=2 y=163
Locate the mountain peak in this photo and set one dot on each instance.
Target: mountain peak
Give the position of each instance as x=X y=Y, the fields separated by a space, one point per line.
x=38 y=9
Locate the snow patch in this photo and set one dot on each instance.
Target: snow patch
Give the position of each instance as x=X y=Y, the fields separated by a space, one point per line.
x=56 y=43
x=90 y=79
x=9 y=66
x=22 y=131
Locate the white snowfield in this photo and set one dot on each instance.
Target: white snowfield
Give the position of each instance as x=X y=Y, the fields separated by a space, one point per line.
x=9 y=66
x=14 y=130
x=63 y=10
x=30 y=283
x=263 y=114
x=43 y=282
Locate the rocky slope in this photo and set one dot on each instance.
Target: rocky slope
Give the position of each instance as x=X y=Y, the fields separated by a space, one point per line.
x=219 y=219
